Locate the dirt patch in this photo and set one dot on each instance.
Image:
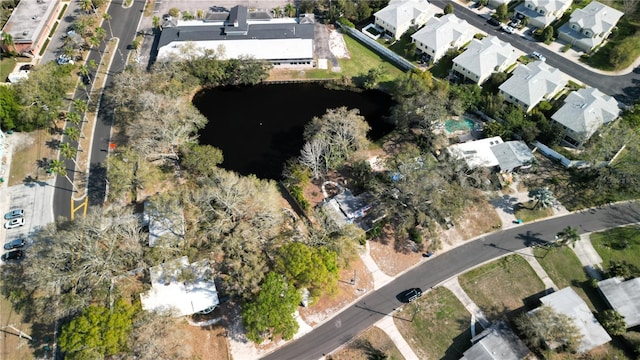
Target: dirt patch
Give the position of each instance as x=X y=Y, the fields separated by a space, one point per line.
x=477 y=219
x=347 y=292
x=28 y=152
x=371 y=344
x=206 y=342
x=390 y=261
x=337 y=45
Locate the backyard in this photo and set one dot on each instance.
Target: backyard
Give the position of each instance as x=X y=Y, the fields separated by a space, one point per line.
x=501 y=287
x=439 y=326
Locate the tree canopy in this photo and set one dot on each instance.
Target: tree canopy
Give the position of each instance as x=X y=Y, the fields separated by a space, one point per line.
x=546 y=328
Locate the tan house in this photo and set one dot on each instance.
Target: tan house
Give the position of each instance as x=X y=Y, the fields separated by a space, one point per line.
x=29 y=25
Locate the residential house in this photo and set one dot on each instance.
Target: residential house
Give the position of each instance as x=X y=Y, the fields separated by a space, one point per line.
x=241 y=33
x=29 y=25
x=493 y=153
x=497 y=342
x=345 y=208
x=484 y=57
x=568 y=302
x=181 y=288
x=496 y=3
x=589 y=27
x=441 y=34
x=623 y=297
x=533 y=83
x=541 y=13
x=165 y=222
x=400 y=15
x=583 y=113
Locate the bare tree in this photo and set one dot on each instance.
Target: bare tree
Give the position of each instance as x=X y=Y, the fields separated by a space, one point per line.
x=629 y=7
x=312 y=156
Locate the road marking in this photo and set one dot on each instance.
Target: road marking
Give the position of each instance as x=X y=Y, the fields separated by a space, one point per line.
x=84 y=205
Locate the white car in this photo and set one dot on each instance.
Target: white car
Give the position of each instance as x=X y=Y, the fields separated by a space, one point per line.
x=508 y=29
x=538 y=56
x=11 y=224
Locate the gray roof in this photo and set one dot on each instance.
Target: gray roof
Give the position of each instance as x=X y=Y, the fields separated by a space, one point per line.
x=512 y=154
x=486 y=56
x=27 y=21
x=585 y=110
x=534 y=82
x=496 y=343
x=567 y=302
x=624 y=297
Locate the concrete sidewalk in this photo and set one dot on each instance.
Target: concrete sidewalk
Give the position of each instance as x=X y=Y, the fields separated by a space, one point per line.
x=454 y=286
x=588 y=256
x=389 y=327
x=380 y=279
x=527 y=254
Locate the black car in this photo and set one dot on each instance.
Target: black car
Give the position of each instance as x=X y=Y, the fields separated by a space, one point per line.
x=26 y=67
x=410 y=295
x=13 y=255
x=493 y=21
x=14 y=244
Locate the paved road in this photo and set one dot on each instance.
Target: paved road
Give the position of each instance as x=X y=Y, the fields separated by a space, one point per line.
x=625 y=88
x=363 y=314
x=124 y=22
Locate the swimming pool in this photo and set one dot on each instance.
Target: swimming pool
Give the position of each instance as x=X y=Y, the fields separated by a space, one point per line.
x=457 y=125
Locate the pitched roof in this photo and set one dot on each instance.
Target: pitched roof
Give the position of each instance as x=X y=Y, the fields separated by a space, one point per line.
x=597 y=17
x=567 y=302
x=532 y=82
x=443 y=32
x=624 y=297
x=512 y=154
x=496 y=343
x=585 y=110
x=400 y=12
x=485 y=56
x=170 y=292
x=550 y=5
x=477 y=153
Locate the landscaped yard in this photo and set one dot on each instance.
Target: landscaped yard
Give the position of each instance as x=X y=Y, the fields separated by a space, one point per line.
x=618 y=244
x=501 y=286
x=371 y=344
x=440 y=328
x=6 y=67
x=363 y=59
x=527 y=212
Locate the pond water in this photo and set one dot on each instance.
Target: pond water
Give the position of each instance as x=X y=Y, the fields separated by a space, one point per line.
x=259 y=128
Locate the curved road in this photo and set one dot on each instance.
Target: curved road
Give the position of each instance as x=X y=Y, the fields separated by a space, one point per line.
x=353 y=320
x=124 y=23
x=625 y=88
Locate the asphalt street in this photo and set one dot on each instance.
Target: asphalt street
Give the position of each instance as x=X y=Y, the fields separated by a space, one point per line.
x=124 y=23
x=625 y=88
x=347 y=324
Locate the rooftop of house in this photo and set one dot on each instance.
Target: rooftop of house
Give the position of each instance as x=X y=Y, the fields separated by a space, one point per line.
x=568 y=302
x=400 y=12
x=597 y=17
x=512 y=154
x=28 y=20
x=477 y=153
x=439 y=33
x=585 y=110
x=550 y=5
x=486 y=55
x=624 y=297
x=532 y=82
x=496 y=343
x=181 y=288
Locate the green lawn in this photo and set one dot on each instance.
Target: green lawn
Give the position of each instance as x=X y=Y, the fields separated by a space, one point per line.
x=440 y=328
x=6 y=67
x=500 y=287
x=362 y=59
x=527 y=213
x=618 y=244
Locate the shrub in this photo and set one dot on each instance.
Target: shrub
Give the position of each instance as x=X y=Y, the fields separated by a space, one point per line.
x=345 y=22
x=296 y=193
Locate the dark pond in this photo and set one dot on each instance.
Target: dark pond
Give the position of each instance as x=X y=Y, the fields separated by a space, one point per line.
x=259 y=128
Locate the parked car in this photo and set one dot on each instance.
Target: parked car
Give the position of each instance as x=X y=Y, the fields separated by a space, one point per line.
x=14 y=214
x=26 y=67
x=515 y=23
x=410 y=295
x=493 y=21
x=11 y=224
x=509 y=29
x=538 y=56
x=14 y=244
x=13 y=255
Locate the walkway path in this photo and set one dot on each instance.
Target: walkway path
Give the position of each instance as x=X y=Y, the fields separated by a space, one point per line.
x=588 y=256
x=527 y=254
x=380 y=279
x=389 y=327
x=453 y=285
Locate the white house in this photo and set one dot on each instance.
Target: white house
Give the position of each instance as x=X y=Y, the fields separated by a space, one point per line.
x=441 y=34
x=496 y=3
x=568 y=302
x=400 y=15
x=542 y=13
x=589 y=27
x=498 y=342
x=624 y=297
x=484 y=57
x=181 y=288
x=493 y=153
x=533 y=83
x=583 y=113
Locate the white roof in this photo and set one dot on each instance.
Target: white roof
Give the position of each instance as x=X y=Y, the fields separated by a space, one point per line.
x=169 y=292
x=477 y=153
x=533 y=82
x=597 y=17
x=444 y=32
x=550 y=6
x=165 y=223
x=585 y=110
x=263 y=49
x=18 y=75
x=486 y=56
x=567 y=302
x=400 y=12
x=624 y=297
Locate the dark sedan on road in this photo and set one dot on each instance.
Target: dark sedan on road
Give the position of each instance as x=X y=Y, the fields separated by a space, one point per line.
x=13 y=255
x=410 y=295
